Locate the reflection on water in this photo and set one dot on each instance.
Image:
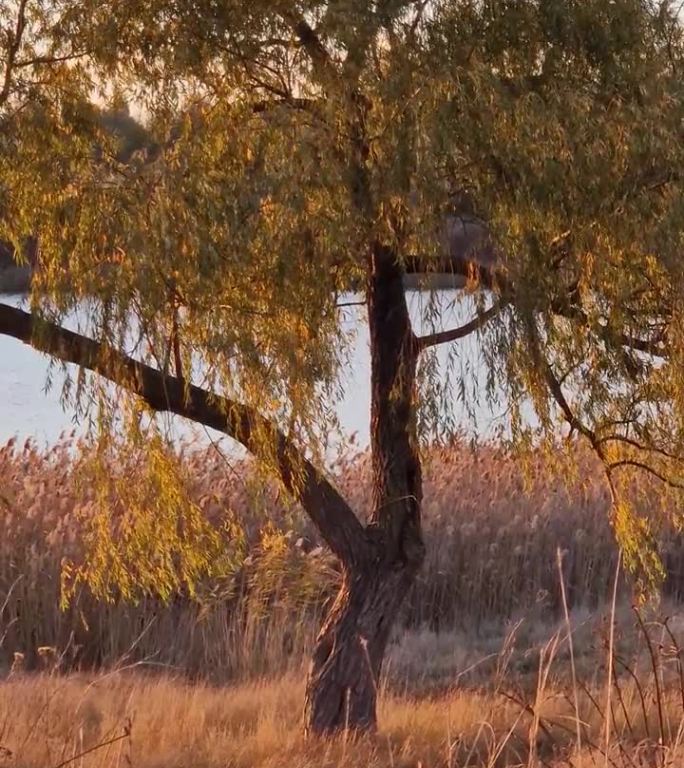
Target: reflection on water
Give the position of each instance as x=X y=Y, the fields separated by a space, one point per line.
x=28 y=410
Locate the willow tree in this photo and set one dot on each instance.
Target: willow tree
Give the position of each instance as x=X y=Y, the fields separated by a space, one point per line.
x=304 y=149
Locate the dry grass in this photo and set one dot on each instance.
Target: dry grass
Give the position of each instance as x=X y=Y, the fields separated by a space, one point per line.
x=47 y=721
x=492 y=538
x=508 y=719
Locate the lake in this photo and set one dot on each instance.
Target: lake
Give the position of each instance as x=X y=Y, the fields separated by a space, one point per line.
x=28 y=410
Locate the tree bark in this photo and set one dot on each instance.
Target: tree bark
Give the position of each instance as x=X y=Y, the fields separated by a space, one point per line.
x=345 y=671
x=397 y=476
x=342 y=686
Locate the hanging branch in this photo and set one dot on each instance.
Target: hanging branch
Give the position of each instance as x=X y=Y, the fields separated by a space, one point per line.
x=331 y=514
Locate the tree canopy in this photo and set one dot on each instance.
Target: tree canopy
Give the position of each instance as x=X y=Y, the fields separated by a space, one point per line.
x=301 y=150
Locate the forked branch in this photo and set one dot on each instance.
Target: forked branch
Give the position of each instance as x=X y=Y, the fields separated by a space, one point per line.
x=598 y=443
x=492 y=277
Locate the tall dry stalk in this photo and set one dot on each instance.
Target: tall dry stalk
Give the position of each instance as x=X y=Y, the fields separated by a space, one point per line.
x=571 y=646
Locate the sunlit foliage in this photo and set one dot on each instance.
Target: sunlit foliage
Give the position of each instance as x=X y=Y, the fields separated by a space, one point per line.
x=220 y=248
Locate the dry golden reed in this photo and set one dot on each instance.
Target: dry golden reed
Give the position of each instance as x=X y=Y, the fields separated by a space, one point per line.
x=492 y=535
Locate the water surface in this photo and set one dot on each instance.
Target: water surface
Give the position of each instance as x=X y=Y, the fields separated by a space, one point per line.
x=28 y=409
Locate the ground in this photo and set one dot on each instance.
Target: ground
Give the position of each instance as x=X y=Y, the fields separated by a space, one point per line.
x=440 y=706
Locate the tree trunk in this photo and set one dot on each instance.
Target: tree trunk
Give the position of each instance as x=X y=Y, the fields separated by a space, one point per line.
x=347 y=661
x=344 y=675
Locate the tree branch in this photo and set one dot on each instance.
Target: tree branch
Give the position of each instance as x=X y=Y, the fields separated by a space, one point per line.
x=634 y=464
x=287 y=100
x=455 y=334
x=656 y=347
x=597 y=443
x=36 y=61
x=573 y=421
x=311 y=43
x=331 y=514
x=556 y=390
x=492 y=277
x=616 y=438
x=14 y=47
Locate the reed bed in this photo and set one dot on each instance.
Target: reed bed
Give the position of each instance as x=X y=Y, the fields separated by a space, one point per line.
x=492 y=534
